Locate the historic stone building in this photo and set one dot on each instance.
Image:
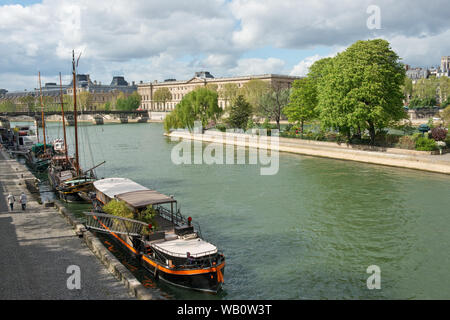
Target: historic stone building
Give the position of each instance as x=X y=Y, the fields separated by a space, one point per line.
x=179 y=89
x=99 y=94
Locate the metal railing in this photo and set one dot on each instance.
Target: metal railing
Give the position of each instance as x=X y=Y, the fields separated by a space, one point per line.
x=178 y=219
x=108 y=223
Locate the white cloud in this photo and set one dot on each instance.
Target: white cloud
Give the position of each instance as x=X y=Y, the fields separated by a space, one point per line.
x=256 y=66
x=302 y=68
x=148 y=40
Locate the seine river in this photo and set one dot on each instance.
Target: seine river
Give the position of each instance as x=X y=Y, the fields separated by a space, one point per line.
x=308 y=232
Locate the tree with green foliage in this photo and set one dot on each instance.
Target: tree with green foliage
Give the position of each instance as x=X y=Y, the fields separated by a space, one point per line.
x=229 y=93
x=445 y=115
x=68 y=102
x=407 y=89
x=130 y=103
x=198 y=105
x=7 y=106
x=162 y=95
x=212 y=87
x=272 y=103
x=253 y=91
x=134 y=101
x=425 y=89
x=361 y=89
x=29 y=102
x=240 y=113
x=303 y=101
x=444 y=90
x=417 y=102
x=84 y=100
x=318 y=69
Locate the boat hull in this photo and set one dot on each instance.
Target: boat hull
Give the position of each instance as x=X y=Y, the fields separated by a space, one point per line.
x=196 y=279
x=206 y=280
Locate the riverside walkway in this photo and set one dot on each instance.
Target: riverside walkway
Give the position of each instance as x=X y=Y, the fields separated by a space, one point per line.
x=410 y=159
x=37 y=246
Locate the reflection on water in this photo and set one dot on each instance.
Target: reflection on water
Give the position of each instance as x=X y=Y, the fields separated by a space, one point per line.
x=308 y=232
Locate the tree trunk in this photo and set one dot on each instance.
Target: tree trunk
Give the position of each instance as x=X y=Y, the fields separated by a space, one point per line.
x=372 y=133
x=302 y=126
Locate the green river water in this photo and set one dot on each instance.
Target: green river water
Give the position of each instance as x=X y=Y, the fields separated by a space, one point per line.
x=308 y=232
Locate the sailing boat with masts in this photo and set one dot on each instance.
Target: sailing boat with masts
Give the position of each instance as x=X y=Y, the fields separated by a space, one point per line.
x=39 y=155
x=65 y=174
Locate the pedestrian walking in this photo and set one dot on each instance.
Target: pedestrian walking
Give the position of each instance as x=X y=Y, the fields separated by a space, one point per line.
x=11 y=201
x=23 y=200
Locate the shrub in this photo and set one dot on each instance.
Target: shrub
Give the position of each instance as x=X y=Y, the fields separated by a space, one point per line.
x=148 y=216
x=439 y=134
x=406 y=142
x=425 y=144
x=384 y=139
x=416 y=136
x=447 y=141
x=221 y=127
x=118 y=208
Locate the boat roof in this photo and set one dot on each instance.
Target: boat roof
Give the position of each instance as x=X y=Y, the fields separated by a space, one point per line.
x=114 y=186
x=180 y=247
x=143 y=198
x=131 y=192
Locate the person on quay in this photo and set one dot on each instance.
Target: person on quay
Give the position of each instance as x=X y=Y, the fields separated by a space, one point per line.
x=23 y=200
x=11 y=201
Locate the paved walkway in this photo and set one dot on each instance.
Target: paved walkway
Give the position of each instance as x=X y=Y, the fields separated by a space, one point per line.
x=37 y=246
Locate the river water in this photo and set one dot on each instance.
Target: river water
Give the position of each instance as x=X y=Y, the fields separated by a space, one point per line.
x=308 y=232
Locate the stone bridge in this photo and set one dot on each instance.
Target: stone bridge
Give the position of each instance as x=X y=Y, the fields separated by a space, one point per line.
x=96 y=116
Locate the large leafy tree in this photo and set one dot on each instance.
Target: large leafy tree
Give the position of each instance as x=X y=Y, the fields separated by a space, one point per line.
x=426 y=89
x=240 y=112
x=129 y=103
x=198 y=105
x=303 y=101
x=272 y=103
x=253 y=91
x=361 y=88
x=162 y=95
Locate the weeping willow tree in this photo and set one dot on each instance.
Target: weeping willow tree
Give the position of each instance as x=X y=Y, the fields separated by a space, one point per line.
x=198 y=105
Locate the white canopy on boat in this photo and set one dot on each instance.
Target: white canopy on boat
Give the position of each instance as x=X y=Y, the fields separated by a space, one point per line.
x=180 y=247
x=114 y=186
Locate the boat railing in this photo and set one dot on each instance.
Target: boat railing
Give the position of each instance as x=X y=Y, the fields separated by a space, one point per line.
x=175 y=217
x=108 y=223
x=178 y=219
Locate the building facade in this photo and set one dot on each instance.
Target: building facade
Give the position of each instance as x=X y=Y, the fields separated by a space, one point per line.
x=179 y=89
x=99 y=93
x=445 y=63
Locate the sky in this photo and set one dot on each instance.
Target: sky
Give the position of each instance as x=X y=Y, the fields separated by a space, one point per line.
x=147 y=40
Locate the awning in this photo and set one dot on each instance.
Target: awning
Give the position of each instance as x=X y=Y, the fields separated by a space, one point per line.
x=114 y=186
x=143 y=198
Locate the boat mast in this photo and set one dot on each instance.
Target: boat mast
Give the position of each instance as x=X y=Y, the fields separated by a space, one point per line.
x=77 y=166
x=37 y=125
x=42 y=113
x=63 y=119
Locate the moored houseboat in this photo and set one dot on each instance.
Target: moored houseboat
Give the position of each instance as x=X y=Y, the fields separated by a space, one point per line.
x=174 y=251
